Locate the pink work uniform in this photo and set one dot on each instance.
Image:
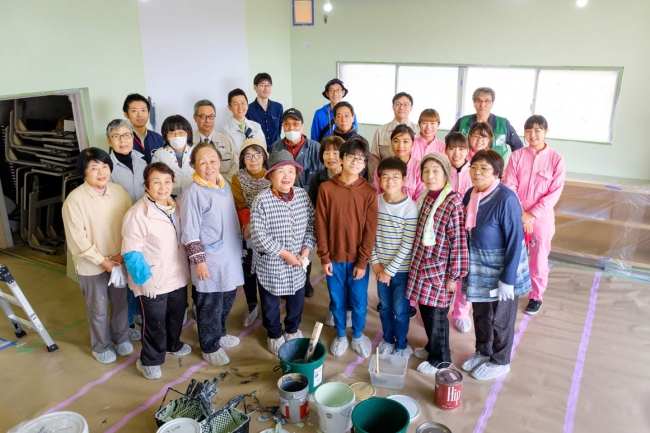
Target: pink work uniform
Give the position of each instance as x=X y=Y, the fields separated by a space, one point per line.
x=421 y=148
x=460 y=182
x=413 y=187
x=538 y=180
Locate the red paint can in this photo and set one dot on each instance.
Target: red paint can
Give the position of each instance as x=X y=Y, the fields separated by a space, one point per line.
x=449 y=386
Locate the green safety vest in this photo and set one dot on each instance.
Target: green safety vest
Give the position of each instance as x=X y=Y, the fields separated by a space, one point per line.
x=500 y=133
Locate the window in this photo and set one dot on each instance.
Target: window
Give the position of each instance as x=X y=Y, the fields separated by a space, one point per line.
x=579 y=104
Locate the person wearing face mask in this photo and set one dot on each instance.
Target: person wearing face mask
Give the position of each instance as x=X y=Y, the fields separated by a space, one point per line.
x=178 y=136
x=303 y=150
x=323 y=123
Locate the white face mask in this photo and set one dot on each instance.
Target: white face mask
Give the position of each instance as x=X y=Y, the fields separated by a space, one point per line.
x=293 y=136
x=178 y=142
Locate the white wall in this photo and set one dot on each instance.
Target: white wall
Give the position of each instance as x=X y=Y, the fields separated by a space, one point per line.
x=193 y=49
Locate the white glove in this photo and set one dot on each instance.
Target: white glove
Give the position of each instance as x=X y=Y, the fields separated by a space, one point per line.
x=505 y=291
x=118 y=277
x=148 y=289
x=305 y=263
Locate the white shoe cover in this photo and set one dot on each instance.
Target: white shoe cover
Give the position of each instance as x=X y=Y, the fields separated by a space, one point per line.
x=185 y=317
x=185 y=350
x=426 y=368
x=339 y=346
x=194 y=312
x=348 y=319
x=274 y=344
x=105 y=357
x=488 y=371
x=289 y=337
x=362 y=345
x=463 y=325
x=329 y=321
x=406 y=353
x=124 y=349
x=386 y=348
x=228 y=341
x=137 y=319
x=217 y=358
x=474 y=361
x=250 y=316
x=149 y=372
x=135 y=334
x=421 y=352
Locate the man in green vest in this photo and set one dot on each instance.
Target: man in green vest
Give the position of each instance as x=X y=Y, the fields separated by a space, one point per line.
x=504 y=133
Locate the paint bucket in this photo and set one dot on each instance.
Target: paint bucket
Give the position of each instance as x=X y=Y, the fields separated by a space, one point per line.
x=292 y=355
x=294 y=403
x=449 y=386
x=334 y=403
x=380 y=415
x=180 y=425
x=433 y=427
x=57 y=421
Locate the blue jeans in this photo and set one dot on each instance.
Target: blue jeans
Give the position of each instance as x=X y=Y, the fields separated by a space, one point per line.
x=348 y=293
x=133 y=306
x=394 y=312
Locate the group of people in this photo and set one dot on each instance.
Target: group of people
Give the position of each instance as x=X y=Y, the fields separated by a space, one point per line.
x=439 y=222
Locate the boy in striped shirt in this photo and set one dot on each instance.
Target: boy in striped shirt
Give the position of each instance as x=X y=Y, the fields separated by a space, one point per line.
x=391 y=255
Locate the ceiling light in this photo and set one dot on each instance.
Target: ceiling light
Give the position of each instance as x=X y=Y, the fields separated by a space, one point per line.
x=328 y=6
x=581 y=3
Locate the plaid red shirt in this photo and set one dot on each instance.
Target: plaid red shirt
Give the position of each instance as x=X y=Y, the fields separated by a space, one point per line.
x=447 y=259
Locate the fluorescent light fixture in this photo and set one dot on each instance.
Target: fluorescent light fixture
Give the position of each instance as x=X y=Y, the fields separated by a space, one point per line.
x=581 y=3
x=328 y=6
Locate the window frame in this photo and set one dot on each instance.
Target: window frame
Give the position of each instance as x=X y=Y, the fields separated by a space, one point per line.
x=462 y=79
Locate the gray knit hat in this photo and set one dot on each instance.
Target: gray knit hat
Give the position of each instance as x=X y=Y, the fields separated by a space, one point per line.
x=280 y=159
x=442 y=161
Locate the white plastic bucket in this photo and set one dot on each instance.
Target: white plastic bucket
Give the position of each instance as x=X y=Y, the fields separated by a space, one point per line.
x=180 y=425
x=334 y=403
x=64 y=422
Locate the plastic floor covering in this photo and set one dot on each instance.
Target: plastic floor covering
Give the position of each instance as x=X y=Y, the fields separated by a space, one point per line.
x=580 y=365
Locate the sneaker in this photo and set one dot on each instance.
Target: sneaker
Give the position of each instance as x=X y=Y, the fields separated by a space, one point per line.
x=533 y=307
x=105 y=357
x=406 y=352
x=135 y=333
x=137 y=319
x=348 y=319
x=124 y=349
x=421 y=353
x=289 y=337
x=329 y=321
x=362 y=345
x=151 y=372
x=490 y=371
x=228 y=341
x=185 y=350
x=474 y=361
x=378 y=307
x=463 y=325
x=273 y=344
x=339 y=346
x=250 y=316
x=386 y=348
x=413 y=312
x=426 y=368
x=217 y=358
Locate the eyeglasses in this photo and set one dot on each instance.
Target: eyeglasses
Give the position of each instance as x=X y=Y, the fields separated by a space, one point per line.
x=400 y=105
x=250 y=156
x=480 y=137
x=482 y=169
x=291 y=124
x=394 y=178
x=118 y=137
x=205 y=116
x=483 y=101
x=335 y=91
x=352 y=158
x=265 y=85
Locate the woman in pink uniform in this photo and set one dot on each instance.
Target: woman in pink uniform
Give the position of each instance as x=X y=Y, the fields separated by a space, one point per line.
x=536 y=174
x=427 y=142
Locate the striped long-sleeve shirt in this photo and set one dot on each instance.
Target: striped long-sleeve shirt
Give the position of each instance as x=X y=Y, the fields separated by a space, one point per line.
x=396 y=228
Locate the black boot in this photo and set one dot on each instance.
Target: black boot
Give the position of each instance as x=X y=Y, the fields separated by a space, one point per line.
x=309 y=290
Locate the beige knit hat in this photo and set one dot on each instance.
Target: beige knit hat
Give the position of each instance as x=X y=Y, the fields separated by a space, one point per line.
x=250 y=142
x=442 y=161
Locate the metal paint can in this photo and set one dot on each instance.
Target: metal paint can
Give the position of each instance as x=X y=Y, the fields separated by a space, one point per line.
x=294 y=402
x=432 y=427
x=449 y=386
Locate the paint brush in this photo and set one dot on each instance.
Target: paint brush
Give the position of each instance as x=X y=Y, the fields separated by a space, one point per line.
x=313 y=342
x=377 y=359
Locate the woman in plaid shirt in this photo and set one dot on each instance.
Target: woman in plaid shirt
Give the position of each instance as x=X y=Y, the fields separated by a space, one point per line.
x=440 y=258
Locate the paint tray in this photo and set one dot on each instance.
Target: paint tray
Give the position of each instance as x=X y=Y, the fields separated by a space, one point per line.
x=182 y=407
x=228 y=419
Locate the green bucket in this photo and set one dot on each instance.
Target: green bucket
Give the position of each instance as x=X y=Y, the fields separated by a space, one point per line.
x=292 y=355
x=380 y=415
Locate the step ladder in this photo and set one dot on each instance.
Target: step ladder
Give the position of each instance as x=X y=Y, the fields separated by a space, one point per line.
x=19 y=299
